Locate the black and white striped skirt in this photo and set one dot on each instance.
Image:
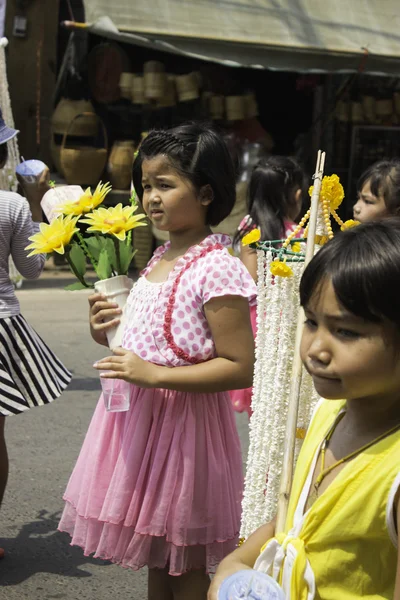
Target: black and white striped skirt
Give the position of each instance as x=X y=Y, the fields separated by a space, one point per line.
x=30 y=374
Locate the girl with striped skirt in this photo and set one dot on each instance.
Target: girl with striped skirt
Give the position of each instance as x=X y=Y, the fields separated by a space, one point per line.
x=30 y=374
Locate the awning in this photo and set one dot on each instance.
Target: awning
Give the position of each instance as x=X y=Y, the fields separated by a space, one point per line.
x=293 y=35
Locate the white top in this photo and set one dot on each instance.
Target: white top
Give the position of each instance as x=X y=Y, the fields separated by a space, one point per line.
x=16 y=226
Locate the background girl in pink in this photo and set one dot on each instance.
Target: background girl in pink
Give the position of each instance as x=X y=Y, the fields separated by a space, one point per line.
x=275 y=196
x=161 y=484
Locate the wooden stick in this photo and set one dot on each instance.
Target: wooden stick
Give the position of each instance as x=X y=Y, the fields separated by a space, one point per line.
x=294 y=395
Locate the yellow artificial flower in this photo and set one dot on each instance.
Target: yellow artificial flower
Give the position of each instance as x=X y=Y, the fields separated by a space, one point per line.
x=296 y=247
x=53 y=237
x=87 y=201
x=116 y=220
x=331 y=190
x=321 y=239
x=349 y=224
x=251 y=237
x=280 y=269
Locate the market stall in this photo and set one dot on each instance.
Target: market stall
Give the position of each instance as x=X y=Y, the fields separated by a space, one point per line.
x=273 y=78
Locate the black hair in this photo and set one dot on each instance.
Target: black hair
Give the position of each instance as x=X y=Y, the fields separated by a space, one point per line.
x=272 y=187
x=199 y=154
x=364 y=266
x=3 y=154
x=384 y=180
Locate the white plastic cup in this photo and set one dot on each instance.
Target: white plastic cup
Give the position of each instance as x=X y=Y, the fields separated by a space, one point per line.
x=252 y=585
x=116 y=289
x=116 y=394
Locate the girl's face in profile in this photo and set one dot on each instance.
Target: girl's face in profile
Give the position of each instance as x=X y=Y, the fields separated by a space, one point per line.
x=369 y=207
x=348 y=357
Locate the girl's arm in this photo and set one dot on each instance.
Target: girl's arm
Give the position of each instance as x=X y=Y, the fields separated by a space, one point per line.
x=248 y=256
x=243 y=558
x=229 y=321
x=397 y=585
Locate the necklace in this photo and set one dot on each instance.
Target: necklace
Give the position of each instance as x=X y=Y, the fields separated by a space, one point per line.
x=324 y=472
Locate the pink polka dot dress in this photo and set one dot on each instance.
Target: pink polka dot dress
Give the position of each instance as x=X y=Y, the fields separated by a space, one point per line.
x=161 y=484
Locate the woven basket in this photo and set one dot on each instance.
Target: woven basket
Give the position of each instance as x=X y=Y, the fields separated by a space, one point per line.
x=154 y=80
x=169 y=96
x=83 y=165
x=235 y=108
x=125 y=85
x=187 y=87
x=137 y=90
x=217 y=107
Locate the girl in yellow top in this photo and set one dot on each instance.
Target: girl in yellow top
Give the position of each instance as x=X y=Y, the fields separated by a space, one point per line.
x=341 y=535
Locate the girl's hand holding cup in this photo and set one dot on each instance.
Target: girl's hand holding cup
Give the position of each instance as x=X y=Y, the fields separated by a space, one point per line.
x=128 y=366
x=100 y=310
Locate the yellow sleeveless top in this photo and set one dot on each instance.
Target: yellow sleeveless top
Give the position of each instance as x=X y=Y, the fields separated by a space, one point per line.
x=345 y=546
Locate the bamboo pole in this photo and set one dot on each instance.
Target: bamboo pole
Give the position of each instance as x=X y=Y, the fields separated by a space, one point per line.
x=294 y=394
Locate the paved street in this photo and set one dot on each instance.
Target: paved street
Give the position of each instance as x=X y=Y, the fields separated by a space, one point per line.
x=43 y=445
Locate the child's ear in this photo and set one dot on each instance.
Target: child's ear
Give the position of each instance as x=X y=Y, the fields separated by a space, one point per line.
x=206 y=195
x=298 y=197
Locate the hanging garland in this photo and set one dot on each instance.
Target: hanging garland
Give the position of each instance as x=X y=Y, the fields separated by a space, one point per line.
x=280 y=267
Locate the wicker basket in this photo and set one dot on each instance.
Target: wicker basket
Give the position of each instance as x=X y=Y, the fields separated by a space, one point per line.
x=187 y=87
x=83 y=165
x=343 y=111
x=217 y=107
x=120 y=164
x=384 y=109
x=63 y=114
x=369 y=108
x=154 y=80
x=169 y=97
x=357 y=113
x=251 y=106
x=235 y=108
x=137 y=90
x=125 y=85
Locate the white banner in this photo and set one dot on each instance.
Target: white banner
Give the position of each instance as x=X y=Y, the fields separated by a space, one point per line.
x=340 y=26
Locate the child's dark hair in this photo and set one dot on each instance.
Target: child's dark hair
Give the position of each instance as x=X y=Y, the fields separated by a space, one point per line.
x=272 y=188
x=199 y=154
x=364 y=266
x=384 y=179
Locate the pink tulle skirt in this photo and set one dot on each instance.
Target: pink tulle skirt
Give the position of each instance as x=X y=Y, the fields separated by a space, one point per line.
x=241 y=399
x=159 y=485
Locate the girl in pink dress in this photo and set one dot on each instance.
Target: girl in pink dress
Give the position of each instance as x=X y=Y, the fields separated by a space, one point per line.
x=276 y=191
x=161 y=484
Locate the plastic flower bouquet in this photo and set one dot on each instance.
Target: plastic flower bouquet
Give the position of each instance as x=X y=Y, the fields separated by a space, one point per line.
x=84 y=231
